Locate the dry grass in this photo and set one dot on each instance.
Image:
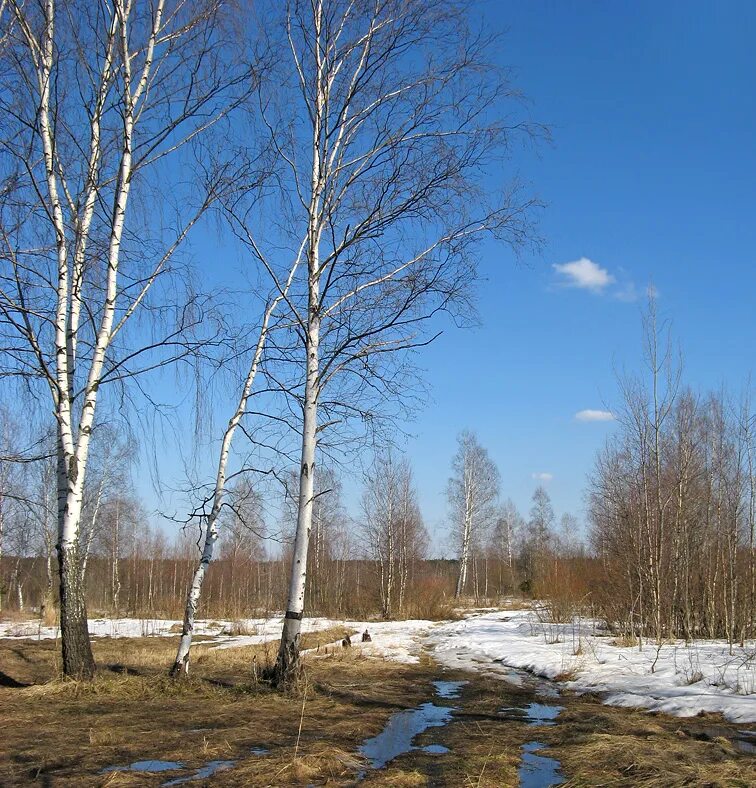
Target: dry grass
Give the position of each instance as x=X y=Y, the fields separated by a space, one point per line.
x=64 y=733
x=605 y=746
x=602 y=760
x=133 y=711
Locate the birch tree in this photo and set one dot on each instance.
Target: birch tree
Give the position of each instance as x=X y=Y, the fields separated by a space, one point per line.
x=391 y=127
x=506 y=531
x=472 y=493
x=539 y=535
x=211 y=509
x=95 y=99
x=393 y=528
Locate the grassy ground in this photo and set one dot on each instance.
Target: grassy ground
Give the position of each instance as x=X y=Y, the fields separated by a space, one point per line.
x=63 y=733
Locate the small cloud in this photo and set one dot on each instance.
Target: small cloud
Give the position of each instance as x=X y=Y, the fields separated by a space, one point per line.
x=542 y=477
x=584 y=274
x=594 y=415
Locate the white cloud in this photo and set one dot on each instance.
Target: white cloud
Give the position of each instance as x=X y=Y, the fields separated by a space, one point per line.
x=542 y=477
x=594 y=415
x=585 y=274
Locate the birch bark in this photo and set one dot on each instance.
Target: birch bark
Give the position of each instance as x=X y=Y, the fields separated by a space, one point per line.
x=181 y=663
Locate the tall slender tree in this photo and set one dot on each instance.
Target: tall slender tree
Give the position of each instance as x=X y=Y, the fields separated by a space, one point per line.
x=95 y=98
x=386 y=117
x=472 y=492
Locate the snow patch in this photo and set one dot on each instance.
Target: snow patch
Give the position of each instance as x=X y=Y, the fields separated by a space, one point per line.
x=679 y=679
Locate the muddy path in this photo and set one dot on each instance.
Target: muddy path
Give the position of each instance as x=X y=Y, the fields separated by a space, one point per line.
x=511 y=729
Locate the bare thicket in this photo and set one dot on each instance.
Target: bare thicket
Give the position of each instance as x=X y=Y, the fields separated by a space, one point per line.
x=672 y=507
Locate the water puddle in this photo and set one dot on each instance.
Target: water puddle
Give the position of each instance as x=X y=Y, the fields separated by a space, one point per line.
x=403 y=726
x=747 y=743
x=744 y=742
x=538 y=771
x=259 y=751
x=534 y=714
x=205 y=772
x=146 y=766
x=546 y=689
x=448 y=689
x=436 y=749
x=521 y=678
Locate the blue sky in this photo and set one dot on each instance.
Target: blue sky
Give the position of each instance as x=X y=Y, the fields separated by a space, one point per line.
x=651 y=178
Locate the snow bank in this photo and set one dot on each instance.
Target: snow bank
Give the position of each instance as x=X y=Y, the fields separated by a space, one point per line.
x=98 y=627
x=686 y=679
x=399 y=641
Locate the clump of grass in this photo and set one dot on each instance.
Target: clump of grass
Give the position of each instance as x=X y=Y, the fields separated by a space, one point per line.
x=627 y=640
x=240 y=627
x=569 y=674
x=605 y=759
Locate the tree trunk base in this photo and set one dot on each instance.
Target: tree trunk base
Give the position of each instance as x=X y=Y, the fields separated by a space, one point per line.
x=78 y=661
x=285 y=674
x=180 y=670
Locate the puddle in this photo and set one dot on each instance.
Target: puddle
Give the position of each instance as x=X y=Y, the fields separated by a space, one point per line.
x=542 y=714
x=448 y=689
x=208 y=770
x=534 y=713
x=436 y=749
x=146 y=766
x=522 y=678
x=396 y=738
x=546 y=689
x=538 y=771
x=747 y=744
x=744 y=742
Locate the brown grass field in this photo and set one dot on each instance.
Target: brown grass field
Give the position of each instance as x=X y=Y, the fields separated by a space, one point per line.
x=57 y=732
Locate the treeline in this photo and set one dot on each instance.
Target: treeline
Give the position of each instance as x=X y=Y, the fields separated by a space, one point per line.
x=374 y=562
x=155 y=587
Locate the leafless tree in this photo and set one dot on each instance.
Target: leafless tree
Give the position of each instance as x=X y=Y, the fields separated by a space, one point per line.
x=216 y=501
x=385 y=118
x=97 y=100
x=472 y=492
x=393 y=528
x=505 y=537
x=538 y=536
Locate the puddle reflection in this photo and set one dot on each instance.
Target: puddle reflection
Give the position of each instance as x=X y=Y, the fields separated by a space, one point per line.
x=538 y=771
x=146 y=766
x=403 y=726
x=448 y=689
x=535 y=714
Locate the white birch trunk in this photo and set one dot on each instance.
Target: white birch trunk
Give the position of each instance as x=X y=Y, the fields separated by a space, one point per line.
x=211 y=531
x=288 y=655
